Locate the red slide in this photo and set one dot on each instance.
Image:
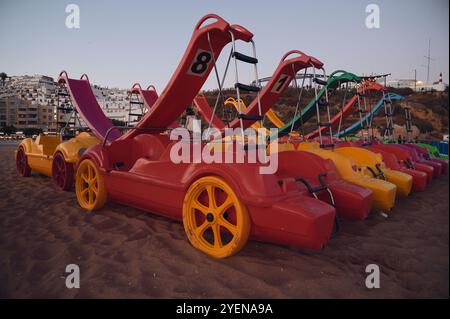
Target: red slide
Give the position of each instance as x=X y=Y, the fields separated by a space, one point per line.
x=138 y=170
x=86 y=104
x=351 y=201
x=283 y=75
x=348 y=109
x=205 y=46
x=207 y=112
x=149 y=97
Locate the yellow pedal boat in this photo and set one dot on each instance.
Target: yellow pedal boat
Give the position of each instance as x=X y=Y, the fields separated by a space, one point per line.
x=371 y=164
x=51 y=156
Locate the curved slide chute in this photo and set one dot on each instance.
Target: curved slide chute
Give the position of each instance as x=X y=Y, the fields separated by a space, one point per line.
x=279 y=82
x=205 y=46
x=86 y=104
x=368 y=117
x=334 y=80
x=346 y=111
x=149 y=97
x=207 y=112
x=349 y=106
x=351 y=201
x=383 y=193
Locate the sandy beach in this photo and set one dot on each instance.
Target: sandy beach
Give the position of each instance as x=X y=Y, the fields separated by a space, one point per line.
x=126 y=253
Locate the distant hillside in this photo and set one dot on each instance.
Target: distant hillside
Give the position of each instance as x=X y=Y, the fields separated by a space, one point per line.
x=429 y=111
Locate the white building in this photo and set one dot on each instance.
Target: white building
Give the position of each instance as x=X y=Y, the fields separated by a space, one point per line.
x=418 y=85
x=115 y=103
x=37 y=94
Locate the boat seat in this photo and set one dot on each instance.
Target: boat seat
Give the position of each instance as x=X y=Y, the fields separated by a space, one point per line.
x=148 y=146
x=123 y=154
x=48 y=143
x=121 y=166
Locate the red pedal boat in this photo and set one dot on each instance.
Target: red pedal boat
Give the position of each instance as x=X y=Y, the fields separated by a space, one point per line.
x=221 y=205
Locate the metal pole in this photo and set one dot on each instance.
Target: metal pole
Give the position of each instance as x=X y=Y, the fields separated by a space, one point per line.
x=415 y=80
x=238 y=95
x=429 y=58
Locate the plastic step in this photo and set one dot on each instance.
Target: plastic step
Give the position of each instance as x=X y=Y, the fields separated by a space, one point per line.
x=247 y=88
x=245 y=58
x=255 y=146
x=319 y=81
x=250 y=117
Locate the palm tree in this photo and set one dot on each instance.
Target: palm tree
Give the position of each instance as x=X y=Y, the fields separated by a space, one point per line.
x=3 y=76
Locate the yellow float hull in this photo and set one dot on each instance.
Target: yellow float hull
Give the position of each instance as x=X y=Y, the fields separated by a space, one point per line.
x=40 y=152
x=383 y=192
x=364 y=158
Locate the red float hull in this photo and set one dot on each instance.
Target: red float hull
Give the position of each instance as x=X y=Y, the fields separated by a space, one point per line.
x=404 y=155
x=352 y=201
x=392 y=162
x=147 y=179
x=426 y=155
x=419 y=159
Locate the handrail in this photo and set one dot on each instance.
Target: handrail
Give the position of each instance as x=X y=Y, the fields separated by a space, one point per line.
x=139 y=87
x=246 y=35
x=336 y=72
x=133 y=128
x=84 y=76
x=152 y=129
x=207 y=17
x=136 y=85
x=300 y=53
x=62 y=131
x=317 y=63
x=230 y=100
x=63 y=72
x=340 y=75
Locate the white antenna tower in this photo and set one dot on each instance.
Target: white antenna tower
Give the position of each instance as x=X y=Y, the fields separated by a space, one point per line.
x=429 y=59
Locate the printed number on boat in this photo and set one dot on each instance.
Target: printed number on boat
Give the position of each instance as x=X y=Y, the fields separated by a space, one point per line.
x=201 y=63
x=281 y=83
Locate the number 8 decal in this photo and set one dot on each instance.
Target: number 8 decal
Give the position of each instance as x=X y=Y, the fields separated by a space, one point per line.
x=200 y=63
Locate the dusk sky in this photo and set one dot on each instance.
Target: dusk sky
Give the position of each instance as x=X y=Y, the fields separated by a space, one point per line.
x=122 y=42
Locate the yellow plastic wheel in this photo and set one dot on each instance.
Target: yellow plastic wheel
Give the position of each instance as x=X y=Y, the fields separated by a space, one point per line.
x=215 y=220
x=89 y=186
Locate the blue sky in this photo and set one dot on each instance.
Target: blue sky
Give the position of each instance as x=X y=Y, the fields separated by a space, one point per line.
x=122 y=42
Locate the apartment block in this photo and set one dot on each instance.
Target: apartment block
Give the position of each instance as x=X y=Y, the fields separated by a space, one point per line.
x=31 y=102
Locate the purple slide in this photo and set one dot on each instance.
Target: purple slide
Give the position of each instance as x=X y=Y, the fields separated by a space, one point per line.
x=86 y=104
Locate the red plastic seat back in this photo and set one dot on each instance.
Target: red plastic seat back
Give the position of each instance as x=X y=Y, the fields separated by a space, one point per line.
x=149 y=146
